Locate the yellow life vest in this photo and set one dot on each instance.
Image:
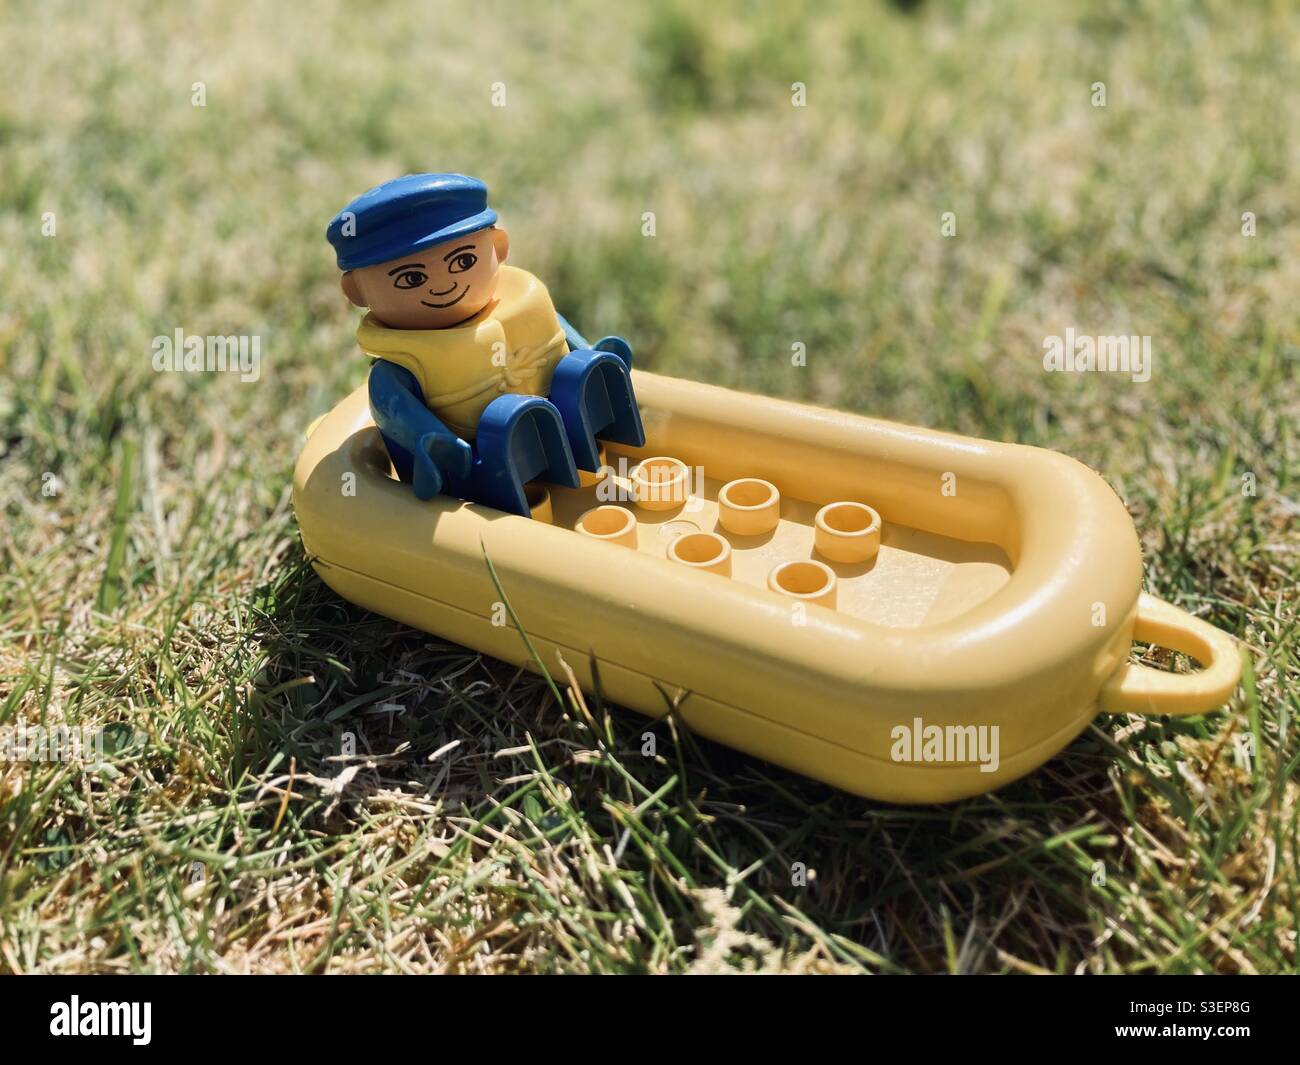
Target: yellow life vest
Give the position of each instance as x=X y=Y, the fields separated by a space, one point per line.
x=511 y=345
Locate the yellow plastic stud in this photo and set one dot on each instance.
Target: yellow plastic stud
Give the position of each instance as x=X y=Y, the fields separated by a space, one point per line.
x=539 y=502
x=806 y=580
x=617 y=525
x=660 y=483
x=847 y=532
x=702 y=550
x=749 y=506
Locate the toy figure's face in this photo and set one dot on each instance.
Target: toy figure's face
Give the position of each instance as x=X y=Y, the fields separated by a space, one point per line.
x=434 y=288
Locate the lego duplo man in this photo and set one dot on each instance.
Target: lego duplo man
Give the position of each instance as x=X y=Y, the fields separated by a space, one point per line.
x=478 y=385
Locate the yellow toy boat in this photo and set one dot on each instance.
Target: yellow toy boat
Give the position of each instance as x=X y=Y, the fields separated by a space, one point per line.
x=908 y=615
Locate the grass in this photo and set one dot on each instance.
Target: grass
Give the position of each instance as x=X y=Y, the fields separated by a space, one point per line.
x=495 y=821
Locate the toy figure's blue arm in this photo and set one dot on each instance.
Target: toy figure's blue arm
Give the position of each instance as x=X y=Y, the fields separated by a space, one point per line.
x=397 y=405
x=578 y=342
x=575 y=340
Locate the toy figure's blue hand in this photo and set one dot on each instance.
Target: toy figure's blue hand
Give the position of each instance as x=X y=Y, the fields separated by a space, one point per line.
x=452 y=454
x=420 y=443
x=426 y=478
x=436 y=455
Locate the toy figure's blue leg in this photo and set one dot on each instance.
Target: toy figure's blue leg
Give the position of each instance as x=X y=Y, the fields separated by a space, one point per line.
x=593 y=391
x=423 y=450
x=519 y=439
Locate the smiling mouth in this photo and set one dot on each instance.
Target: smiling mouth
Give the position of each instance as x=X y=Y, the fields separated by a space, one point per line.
x=450 y=303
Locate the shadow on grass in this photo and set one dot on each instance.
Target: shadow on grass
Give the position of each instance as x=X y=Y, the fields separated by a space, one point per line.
x=477 y=750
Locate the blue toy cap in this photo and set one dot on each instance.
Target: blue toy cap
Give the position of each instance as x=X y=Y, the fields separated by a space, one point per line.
x=406 y=215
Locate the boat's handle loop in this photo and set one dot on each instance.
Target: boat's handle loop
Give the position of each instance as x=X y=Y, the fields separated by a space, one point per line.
x=1139 y=689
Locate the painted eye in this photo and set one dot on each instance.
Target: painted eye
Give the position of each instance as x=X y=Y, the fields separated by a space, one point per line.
x=410 y=279
x=464 y=261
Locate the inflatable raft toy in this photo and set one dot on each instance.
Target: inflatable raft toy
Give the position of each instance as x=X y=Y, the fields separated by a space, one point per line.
x=905 y=614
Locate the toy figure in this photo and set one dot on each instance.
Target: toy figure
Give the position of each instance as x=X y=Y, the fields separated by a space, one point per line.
x=478 y=384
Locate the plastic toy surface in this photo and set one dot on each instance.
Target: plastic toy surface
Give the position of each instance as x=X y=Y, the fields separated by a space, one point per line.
x=905 y=614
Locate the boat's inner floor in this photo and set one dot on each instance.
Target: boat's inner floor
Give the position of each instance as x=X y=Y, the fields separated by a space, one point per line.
x=918 y=578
